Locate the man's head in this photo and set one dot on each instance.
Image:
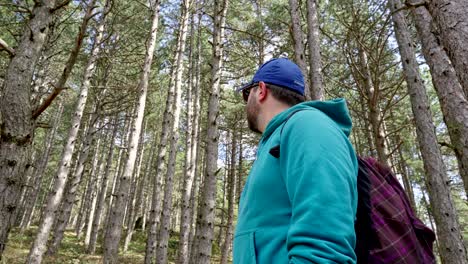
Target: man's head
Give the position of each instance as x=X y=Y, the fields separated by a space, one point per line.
x=277 y=85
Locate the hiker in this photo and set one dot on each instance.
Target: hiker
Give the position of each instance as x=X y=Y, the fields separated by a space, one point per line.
x=300 y=199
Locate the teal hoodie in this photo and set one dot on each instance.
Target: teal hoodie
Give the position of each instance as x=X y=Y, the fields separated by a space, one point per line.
x=301 y=207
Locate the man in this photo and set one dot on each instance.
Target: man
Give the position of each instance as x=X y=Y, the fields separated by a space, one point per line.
x=299 y=202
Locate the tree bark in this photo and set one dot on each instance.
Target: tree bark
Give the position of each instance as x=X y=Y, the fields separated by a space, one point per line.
x=448 y=228
x=103 y=190
x=315 y=59
x=231 y=197
x=114 y=229
x=39 y=246
x=298 y=39
x=452 y=22
x=95 y=177
x=72 y=186
x=190 y=156
x=206 y=219
x=39 y=173
x=17 y=128
x=452 y=101
x=59 y=86
x=161 y=253
x=141 y=182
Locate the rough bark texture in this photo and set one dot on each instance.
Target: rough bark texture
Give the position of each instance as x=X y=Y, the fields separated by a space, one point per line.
x=452 y=22
x=140 y=182
x=161 y=253
x=372 y=95
x=39 y=246
x=39 y=173
x=298 y=39
x=448 y=228
x=114 y=229
x=231 y=197
x=190 y=156
x=315 y=59
x=16 y=124
x=103 y=190
x=59 y=86
x=95 y=183
x=72 y=186
x=452 y=101
x=206 y=219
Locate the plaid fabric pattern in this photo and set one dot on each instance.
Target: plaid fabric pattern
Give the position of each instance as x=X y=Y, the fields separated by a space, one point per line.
x=387 y=228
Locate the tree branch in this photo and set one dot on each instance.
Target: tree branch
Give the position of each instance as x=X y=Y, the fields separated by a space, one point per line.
x=60 y=5
x=4 y=46
x=47 y=102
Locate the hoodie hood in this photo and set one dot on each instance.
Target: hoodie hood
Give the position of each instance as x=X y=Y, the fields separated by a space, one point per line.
x=336 y=110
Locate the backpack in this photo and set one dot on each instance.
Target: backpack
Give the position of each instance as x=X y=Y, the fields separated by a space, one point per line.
x=387 y=229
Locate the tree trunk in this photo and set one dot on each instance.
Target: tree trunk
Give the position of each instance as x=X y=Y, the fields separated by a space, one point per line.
x=231 y=197
x=452 y=22
x=190 y=156
x=72 y=186
x=206 y=220
x=297 y=37
x=39 y=246
x=103 y=190
x=95 y=177
x=17 y=129
x=406 y=177
x=139 y=195
x=452 y=101
x=114 y=229
x=161 y=253
x=39 y=173
x=373 y=97
x=240 y=171
x=315 y=59
x=136 y=180
x=448 y=228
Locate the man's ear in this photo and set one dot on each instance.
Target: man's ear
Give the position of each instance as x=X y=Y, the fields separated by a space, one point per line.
x=262 y=92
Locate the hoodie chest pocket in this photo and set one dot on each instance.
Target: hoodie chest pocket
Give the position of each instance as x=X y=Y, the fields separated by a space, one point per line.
x=244 y=248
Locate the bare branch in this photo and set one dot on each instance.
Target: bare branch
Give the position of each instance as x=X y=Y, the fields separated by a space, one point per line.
x=4 y=46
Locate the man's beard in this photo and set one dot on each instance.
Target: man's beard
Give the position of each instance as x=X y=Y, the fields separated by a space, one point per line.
x=252 y=115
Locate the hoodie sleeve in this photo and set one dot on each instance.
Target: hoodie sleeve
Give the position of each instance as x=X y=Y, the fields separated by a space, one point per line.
x=319 y=167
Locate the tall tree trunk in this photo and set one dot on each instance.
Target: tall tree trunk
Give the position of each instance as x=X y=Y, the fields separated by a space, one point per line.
x=206 y=219
x=297 y=37
x=452 y=22
x=452 y=101
x=39 y=246
x=406 y=177
x=59 y=86
x=114 y=229
x=17 y=126
x=72 y=186
x=190 y=156
x=373 y=97
x=231 y=197
x=161 y=253
x=136 y=180
x=315 y=59
x=39 y=173
x=240 y=171
x=139 y=194
x=448 y=228
x=119 y=167
x=103 y=190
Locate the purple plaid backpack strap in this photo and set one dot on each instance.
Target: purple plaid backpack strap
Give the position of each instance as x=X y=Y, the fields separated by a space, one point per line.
x=396 y=235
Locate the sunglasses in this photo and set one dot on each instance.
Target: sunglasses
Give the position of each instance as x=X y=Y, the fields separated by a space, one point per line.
x=246 y=92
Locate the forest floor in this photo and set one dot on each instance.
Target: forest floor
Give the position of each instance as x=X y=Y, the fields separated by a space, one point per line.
x=73 y=250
